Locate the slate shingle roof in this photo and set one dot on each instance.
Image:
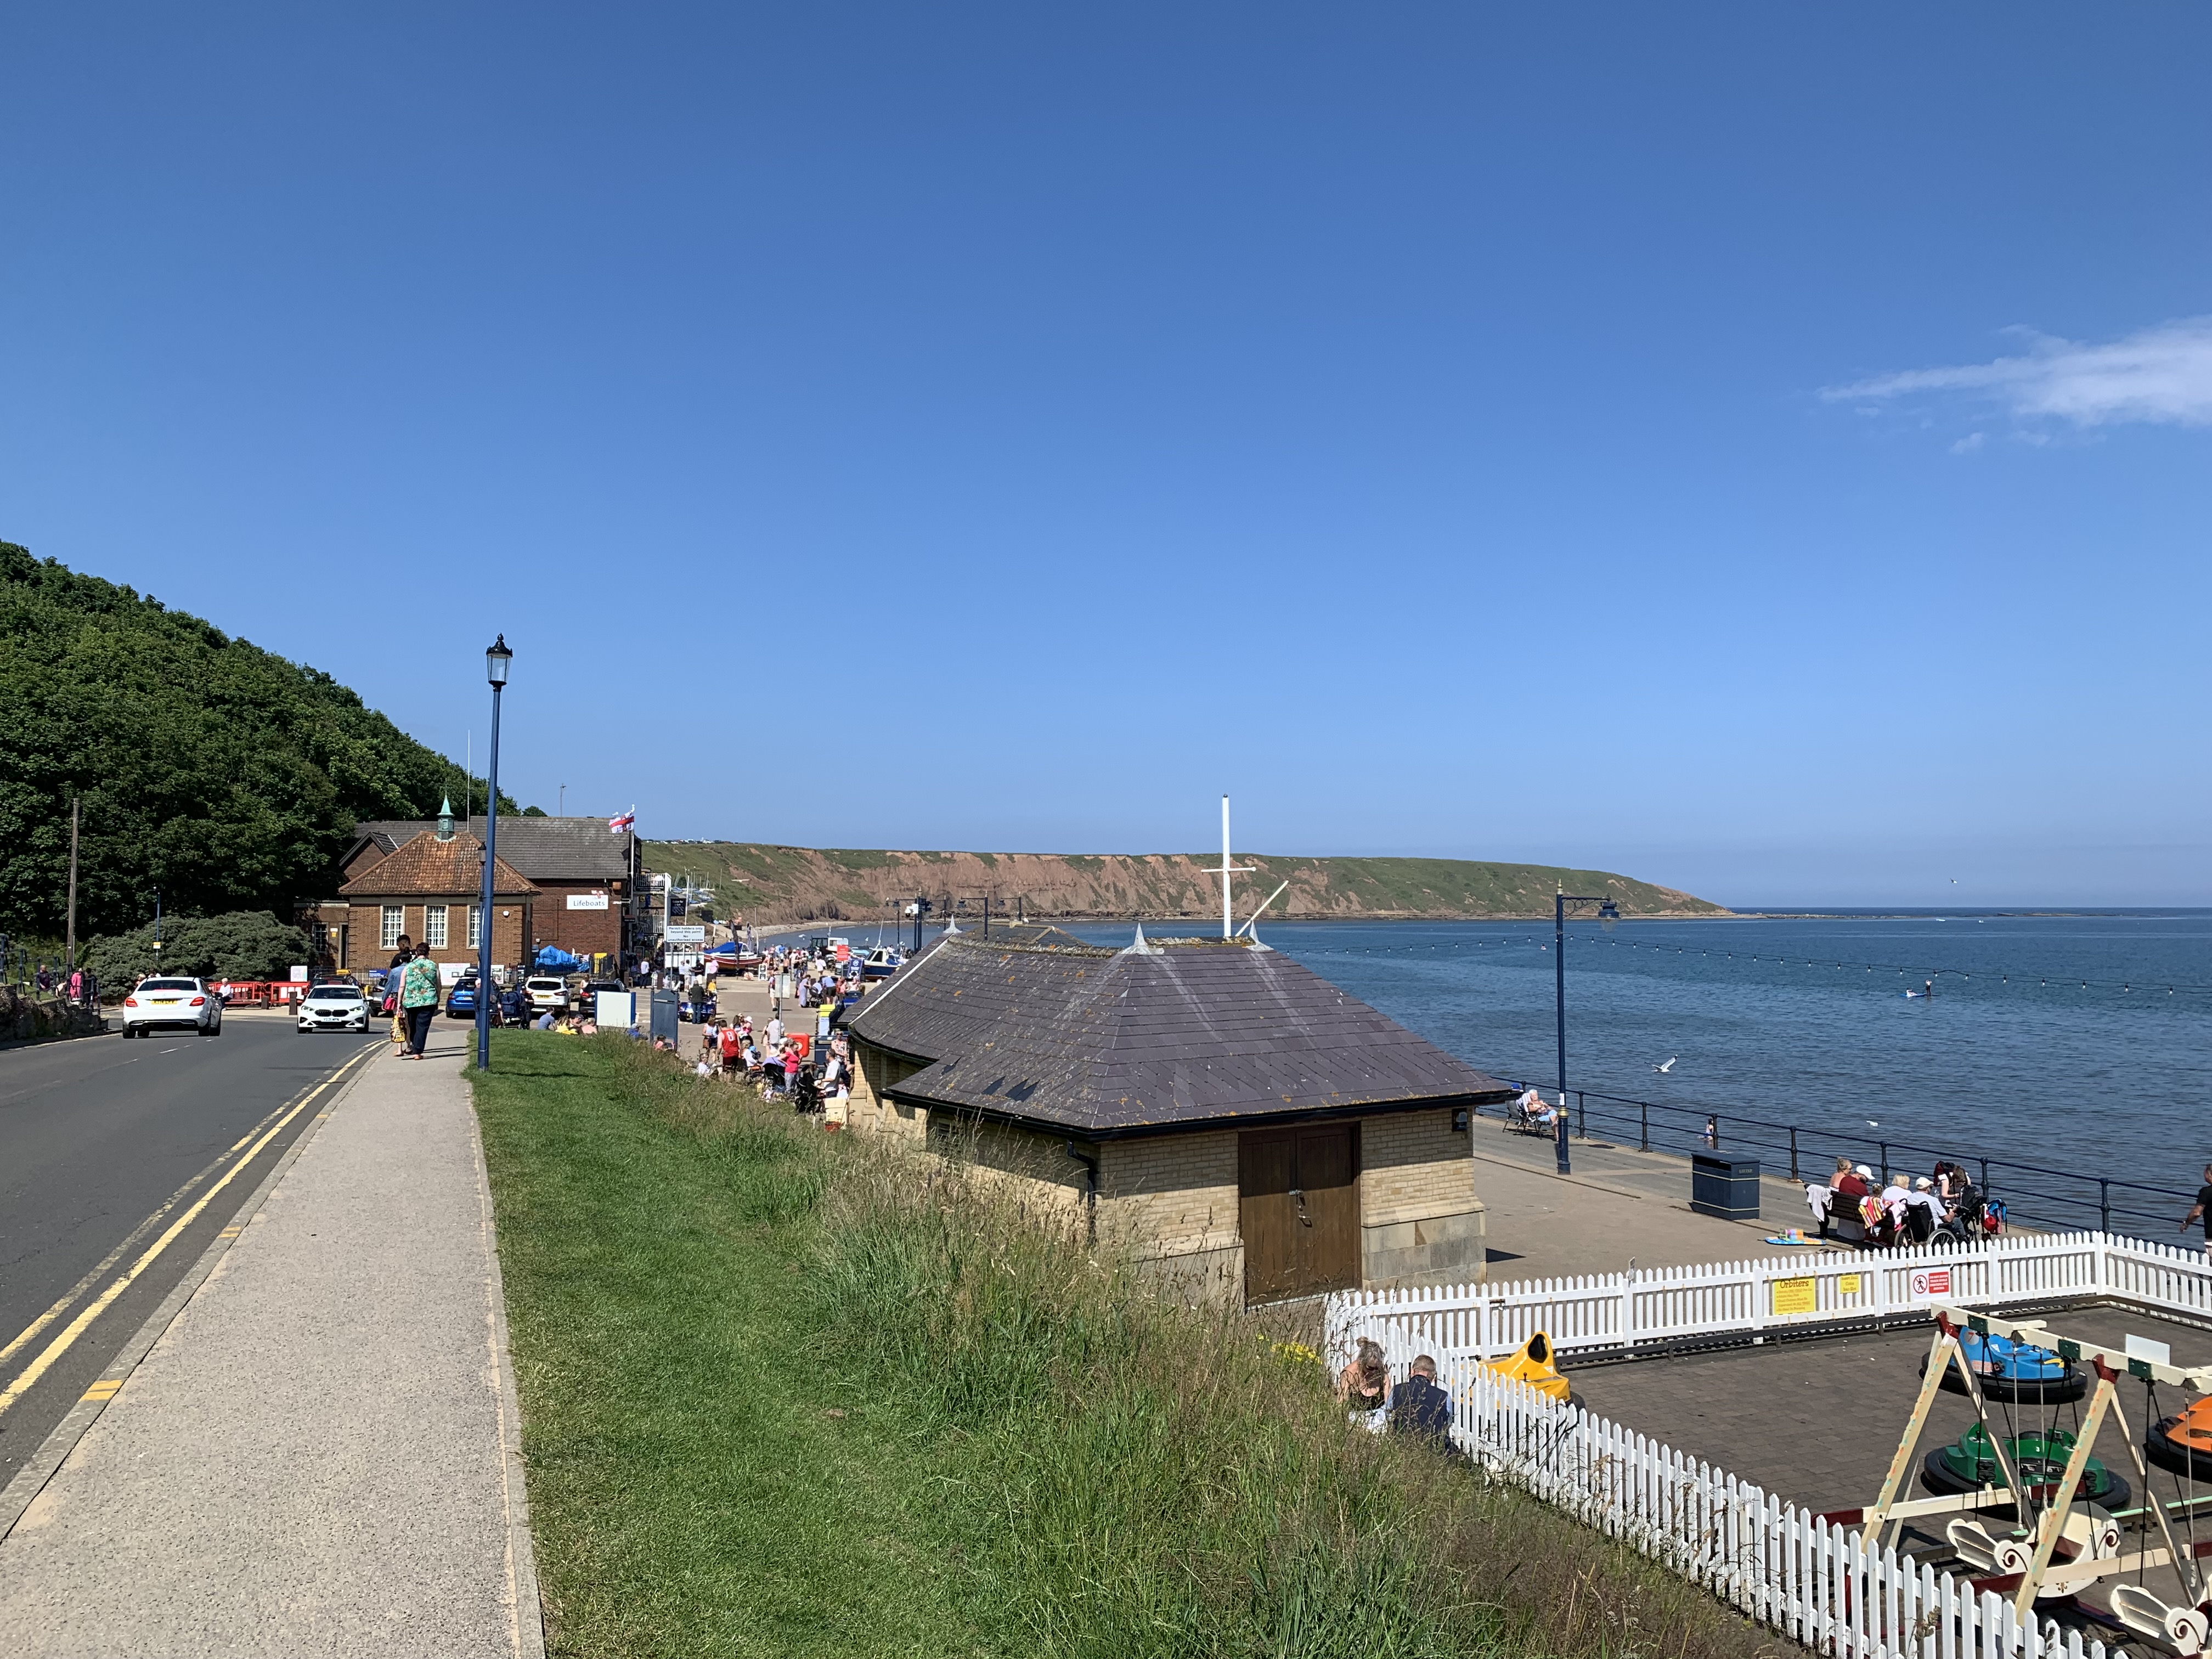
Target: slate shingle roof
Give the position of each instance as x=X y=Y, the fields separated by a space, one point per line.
x=549 y=849
x=436 y=869
x=1101 y=1040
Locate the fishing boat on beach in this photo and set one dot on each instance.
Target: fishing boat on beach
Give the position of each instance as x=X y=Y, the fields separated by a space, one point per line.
x=881 y=963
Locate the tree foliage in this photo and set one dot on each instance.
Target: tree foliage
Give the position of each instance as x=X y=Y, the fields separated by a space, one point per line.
x=244 y=945
x=216 y=771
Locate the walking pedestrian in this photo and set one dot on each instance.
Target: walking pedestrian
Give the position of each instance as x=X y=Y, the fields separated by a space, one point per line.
x=400 y=958
x=2203 y=1209
x=418 y=1002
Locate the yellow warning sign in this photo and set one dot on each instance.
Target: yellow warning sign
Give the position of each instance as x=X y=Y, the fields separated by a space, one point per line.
x=1848 y=1285
x=1793 y=1296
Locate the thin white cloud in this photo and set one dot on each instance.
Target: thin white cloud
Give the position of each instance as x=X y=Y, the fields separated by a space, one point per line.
x=2162 y=374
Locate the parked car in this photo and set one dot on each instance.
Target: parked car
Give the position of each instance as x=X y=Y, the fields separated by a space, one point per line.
x=334 y=1006
x=547 y=992
x=461 y=1001
x=159 y=1003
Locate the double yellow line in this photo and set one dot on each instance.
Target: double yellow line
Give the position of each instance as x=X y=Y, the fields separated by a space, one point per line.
x=77 y=1327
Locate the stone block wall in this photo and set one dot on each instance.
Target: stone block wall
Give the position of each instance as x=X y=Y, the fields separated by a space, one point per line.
x=1421 y=1222
x=870 y=1108
x=1172 y=1199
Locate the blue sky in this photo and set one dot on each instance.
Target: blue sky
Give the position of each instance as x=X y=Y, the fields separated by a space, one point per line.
x=1762 y=449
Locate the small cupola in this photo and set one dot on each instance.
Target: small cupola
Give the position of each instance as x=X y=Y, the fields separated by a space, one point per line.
x=446 y=819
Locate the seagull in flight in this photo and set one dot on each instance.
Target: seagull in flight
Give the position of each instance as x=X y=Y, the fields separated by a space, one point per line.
x=1669 y=1066
x=1871 y=1124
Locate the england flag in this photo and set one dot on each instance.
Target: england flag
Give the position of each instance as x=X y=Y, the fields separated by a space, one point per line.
x=616 y=825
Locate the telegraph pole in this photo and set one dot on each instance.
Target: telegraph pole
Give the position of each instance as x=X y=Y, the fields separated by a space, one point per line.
x=77 y=804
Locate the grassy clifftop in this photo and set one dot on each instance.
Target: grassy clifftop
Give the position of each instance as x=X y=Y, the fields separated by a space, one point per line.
x=772 y=883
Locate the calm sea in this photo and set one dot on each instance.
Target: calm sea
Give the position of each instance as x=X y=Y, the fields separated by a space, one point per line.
x=2079 y=1042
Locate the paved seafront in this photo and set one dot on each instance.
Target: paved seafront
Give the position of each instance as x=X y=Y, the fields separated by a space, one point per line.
x=318 y=1454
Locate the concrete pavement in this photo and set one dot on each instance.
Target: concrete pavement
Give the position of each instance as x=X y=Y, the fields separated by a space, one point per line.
x=119 y=1163
x=1618 y=1204
x=319 y=1454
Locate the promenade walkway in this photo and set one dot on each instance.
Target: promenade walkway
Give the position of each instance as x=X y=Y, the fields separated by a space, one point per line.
x=317 y=1454
x=1618 y=1204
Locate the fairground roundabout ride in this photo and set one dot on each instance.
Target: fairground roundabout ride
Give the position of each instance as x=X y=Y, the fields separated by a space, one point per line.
x=2063 y=1524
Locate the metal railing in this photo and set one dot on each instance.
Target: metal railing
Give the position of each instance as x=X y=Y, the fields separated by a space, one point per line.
x=2033 y=1194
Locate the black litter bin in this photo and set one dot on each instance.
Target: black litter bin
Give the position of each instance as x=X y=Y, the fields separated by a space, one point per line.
x=661 y=1017
x=1724 y=1186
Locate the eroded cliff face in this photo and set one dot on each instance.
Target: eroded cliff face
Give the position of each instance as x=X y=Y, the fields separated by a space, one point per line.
x=769 y=884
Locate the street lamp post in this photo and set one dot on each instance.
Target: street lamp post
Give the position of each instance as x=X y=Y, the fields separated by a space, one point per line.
x=496 y=662
x=1610 y=912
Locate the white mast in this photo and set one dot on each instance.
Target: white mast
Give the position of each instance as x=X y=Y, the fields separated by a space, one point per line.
x=1226 y=870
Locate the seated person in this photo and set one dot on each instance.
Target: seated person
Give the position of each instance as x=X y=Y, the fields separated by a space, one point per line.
x=1923 y=1214
x=544 y=1022
x=1855 y=1182
x=1364 y=1385
x=1419 y=1407
x=587 y=1026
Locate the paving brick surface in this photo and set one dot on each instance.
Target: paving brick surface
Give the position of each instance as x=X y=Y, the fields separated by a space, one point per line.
x=1817 y=1422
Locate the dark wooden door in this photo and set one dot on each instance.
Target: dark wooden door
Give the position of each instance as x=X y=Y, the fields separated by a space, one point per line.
x=1298 y=1208
x=1267 y=1170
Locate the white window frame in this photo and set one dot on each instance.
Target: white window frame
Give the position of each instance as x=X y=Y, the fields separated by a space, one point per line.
x=433 y=927
x=476 y=926
x=390 y=925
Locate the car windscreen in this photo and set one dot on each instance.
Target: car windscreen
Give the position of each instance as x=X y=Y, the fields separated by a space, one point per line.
x=335 y=994
x=167 y=984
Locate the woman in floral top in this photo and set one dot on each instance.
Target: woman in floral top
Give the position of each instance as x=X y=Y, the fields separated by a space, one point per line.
x=418 y=1000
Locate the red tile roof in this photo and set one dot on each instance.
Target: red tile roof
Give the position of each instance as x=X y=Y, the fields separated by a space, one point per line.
x=427 y=866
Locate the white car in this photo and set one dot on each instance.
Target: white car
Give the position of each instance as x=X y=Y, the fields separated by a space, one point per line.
x=334 y=1008
x=188 y=1004
x=547 y=992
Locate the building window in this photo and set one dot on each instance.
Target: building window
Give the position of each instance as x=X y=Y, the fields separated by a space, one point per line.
x=433 y=927
x=393 y=925
x=476 y=926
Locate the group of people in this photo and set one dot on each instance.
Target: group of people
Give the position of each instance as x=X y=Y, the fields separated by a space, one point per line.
x=778 y=1061
x=1897 y=1209
x=1418 y=1407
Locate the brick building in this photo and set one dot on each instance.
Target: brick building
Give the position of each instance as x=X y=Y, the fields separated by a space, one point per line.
x=1245 y=1126
x=430 y=888
x=583 y=878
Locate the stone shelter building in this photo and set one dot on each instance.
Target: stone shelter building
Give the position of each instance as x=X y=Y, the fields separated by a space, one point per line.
x=1249 y=1129
x=430 y=888
x=588 y=882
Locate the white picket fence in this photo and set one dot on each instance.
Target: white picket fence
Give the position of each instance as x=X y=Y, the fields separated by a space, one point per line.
x=1624 y=1311
x=1817 y=1582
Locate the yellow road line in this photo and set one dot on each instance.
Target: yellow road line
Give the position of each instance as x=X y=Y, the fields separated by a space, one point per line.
x=69 y=1298
x=104 y=1389
x=77 y=1327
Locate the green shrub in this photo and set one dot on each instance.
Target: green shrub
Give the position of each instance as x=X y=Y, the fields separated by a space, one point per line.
x=244 y=945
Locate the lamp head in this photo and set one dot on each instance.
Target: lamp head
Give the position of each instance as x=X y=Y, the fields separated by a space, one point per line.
x=497 y=659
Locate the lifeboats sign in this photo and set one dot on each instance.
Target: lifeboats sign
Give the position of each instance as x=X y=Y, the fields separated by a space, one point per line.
x=587 y=901
x=1928 y=1282
x=1794 y=1296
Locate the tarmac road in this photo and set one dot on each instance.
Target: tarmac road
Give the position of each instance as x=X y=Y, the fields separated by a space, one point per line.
x=119 y=1163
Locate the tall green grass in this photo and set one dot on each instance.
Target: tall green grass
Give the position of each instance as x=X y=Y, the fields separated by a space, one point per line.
x=788 y=1392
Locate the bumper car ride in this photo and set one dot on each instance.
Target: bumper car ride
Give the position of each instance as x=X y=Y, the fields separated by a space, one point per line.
x=2183 y=1443
x=1969 y=1463
x=2017 y=1372
x=1535 y=1363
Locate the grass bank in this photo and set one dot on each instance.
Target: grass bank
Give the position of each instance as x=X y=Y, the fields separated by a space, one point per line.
x=783 y=1392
